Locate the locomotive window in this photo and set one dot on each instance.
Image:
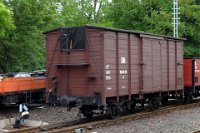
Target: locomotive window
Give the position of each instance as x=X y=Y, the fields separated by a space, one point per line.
x=72 y=38
x=196 y=79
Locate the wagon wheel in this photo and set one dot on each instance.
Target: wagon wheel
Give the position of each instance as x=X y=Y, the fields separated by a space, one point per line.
x=150 y=104
x=153 y=104
x=188 y=98
x=87 y=112
x=165 y=100
x=132 y=107
x=111 y=112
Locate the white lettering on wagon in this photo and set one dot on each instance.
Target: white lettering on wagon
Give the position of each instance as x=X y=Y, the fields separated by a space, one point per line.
x=108 y=72
x=122 y=71
x=109 y=88
x=123 y=60
x=107 y=66
x=123 y=87
x=108 y=77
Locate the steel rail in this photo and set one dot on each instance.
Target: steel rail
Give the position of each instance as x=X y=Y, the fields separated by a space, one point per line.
x=124 y=119
x=70 y=127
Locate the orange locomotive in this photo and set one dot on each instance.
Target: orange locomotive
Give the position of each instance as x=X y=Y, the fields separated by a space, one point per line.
x=15 y=90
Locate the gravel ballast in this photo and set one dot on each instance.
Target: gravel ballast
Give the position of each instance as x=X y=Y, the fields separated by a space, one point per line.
x=46 y=113
x=184 y=121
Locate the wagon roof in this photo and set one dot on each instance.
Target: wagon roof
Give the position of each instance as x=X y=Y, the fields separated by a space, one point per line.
x=119 y=30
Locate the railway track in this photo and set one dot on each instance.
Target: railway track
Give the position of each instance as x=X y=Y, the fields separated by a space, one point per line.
x=72 y=126
x=196 y=131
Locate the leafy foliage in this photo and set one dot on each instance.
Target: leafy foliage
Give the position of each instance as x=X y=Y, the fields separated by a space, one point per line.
x=155 y=16
x=189 y=27
x=6 y=26
x=6 y=21
x=25 y=49
x=80 y=12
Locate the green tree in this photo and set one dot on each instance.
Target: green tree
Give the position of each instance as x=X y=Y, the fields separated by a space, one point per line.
x=26 y=46
x=6 y=21
x=155 y=16
x=6 y=26
x=143 y=15
x=189 y=26
x=80 y=12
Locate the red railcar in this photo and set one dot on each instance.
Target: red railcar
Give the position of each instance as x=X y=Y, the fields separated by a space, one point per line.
x=192 y=76
x=101 y=66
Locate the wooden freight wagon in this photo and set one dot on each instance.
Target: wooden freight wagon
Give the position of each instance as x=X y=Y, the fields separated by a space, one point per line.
x=192 y=76
x=102 y=66
x=14 y=90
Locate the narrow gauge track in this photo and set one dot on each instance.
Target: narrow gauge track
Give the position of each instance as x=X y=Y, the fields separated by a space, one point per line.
x=196 y=131
x=7 y=111
x=71 y=126
x=12 y=110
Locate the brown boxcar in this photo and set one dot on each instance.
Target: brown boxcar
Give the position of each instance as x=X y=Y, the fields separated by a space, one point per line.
x=99 y=65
